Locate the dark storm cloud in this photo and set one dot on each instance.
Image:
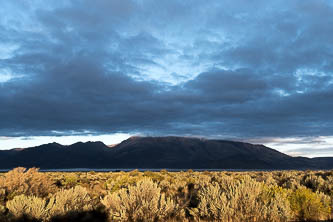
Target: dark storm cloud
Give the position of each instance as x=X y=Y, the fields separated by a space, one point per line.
x=219 y=68
x=228 y=86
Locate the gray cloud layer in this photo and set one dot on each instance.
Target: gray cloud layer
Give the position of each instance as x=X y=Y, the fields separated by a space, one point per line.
x=219 y=68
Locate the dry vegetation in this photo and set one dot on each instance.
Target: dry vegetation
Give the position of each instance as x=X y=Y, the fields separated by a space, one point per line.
x=30 y=195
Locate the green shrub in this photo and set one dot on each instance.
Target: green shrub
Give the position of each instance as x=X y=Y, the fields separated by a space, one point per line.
x=122 y=181
x=308 y=205
x=71 y=180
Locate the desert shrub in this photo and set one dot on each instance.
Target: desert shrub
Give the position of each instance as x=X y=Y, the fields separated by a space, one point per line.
x=134 y=173
x=328 y=186
x=313 y=182
x=180 y=191
x=277 y=208
x=97 y=190
x=319 y=182
x=213 y=203
x=174 y=196
x=189 y=171
x=75 y=199
x=172 y=186
x=29 y=182
x=291 y=183
x=331 y=204
x=242 y=200
x=61 y=203
x=31 y=206
x=2 y=196
x=71 y=180
x=267 y=178
x=155 y=176
x=233 y=201
x=121 y=181
x=141 y=202
x=164 y=171
x=308 y=205
x=2 y=210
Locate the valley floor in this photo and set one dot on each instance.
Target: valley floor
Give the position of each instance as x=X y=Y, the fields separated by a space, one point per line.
x=30 y=195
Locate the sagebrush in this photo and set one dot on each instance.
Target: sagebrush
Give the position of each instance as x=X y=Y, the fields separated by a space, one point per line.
x=167 y=196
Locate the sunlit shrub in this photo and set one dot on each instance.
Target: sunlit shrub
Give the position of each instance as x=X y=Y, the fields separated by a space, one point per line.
x=277 y=208
x=2 y=212
x=308 y=205
x=141 y=202
x=291 y=183
x=2 y=209
x=314 y=182
x=168 y=196
x=30 y=206
x=134 y=173
x=243 y=200
x=2 y=196
x=29 y=182
x=155 y=176
x=74 y=199
x=268 y=179
x=213 y=203
x=71 y=180
x=122 y=181
x=63 y=202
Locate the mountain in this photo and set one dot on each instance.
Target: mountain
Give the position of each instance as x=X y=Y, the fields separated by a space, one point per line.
x=158 y=153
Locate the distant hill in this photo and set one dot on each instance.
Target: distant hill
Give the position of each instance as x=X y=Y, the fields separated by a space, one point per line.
x=158 y=153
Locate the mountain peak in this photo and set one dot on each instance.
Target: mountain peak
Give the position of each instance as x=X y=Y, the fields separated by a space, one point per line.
x=159 y=152
x=134 y=137
x=88 y=143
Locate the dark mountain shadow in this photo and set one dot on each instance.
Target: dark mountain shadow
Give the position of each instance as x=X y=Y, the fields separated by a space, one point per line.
x=159 y=153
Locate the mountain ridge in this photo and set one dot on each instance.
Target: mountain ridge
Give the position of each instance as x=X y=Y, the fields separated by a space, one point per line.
x=159 y=152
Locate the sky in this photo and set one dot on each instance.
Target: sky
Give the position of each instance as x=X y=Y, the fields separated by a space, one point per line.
x=257 y=71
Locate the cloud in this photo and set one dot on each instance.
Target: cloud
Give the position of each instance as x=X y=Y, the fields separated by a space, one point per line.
x=231 y=69
x=310 y=151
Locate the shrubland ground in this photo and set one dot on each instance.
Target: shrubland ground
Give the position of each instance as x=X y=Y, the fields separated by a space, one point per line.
x=30 y=195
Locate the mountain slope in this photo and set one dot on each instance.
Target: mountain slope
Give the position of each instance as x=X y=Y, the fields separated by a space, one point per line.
x=53 y=155
x=159 y=152
x=180 y=152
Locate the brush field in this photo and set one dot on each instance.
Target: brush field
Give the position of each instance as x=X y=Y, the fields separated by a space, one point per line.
x=30 y=195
